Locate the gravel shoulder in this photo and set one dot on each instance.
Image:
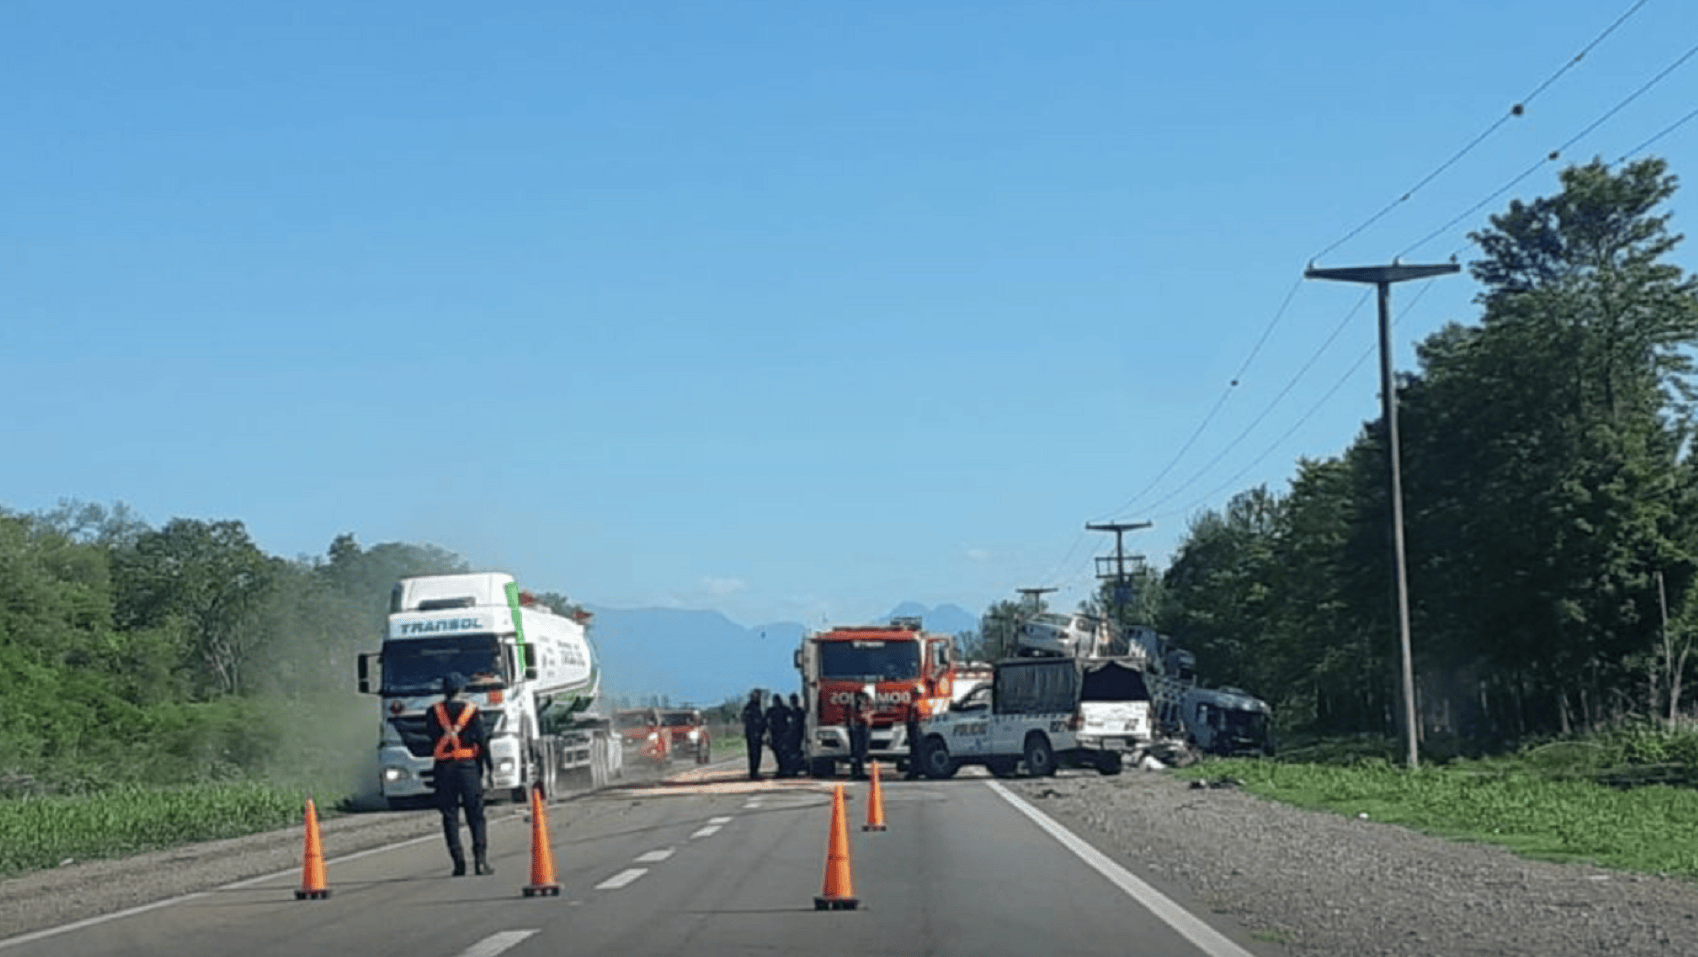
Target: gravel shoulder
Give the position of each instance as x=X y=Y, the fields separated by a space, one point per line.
x=1326 y=884
x=1315 y=883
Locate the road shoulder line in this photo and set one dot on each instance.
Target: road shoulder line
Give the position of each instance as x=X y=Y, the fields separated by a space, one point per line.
x=1191 y=927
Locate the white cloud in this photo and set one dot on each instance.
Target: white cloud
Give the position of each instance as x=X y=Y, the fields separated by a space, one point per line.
x=720 y=587
x=978 y=554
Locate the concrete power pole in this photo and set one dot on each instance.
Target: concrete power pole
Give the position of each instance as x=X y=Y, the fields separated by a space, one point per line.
x=1034 y=595
x=1383 y=277
x=1113 y=567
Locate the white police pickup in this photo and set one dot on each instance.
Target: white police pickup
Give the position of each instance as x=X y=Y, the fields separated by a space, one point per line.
x=1043 y=713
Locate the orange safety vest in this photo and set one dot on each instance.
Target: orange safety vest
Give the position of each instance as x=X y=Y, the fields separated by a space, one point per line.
x=448 y=747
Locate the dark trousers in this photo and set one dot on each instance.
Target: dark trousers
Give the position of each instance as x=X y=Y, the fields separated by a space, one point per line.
x=460 y=783
x=793 y=748
x=859 y=736
x=914 y=749
x=755 y=748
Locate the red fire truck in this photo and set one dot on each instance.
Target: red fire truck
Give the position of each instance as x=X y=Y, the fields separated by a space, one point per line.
x=905 y=669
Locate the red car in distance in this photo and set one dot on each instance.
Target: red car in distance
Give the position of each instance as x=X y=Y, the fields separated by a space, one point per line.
x=642 y=735
x=689 y=733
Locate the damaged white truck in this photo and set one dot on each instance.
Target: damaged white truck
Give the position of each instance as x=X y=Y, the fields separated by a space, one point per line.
x=1043 y=713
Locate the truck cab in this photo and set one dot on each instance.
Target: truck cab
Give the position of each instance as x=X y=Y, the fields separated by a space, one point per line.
x=1228 y=721
x=529 y=669
x=911 y=673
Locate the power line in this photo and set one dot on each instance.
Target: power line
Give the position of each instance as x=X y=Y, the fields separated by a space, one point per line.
x=1555 y=154
x=1677 y=124
x=1316 y=407
x=1517 y=110
x=1266 y=411
x=1219 y=402
x=1514 y=111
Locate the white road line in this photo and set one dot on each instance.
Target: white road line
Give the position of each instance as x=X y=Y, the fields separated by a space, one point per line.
x=653 y=857
x=238 y=885
x=621 y=879
x=708 y=831
x=1207 y=939
x=719 y=820
x=496 y=943
x=751 y=805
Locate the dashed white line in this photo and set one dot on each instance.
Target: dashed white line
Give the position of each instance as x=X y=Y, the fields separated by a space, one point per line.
x=237 y=885
x=621 y=879
x=719 y=820
x=496 y=943
x=751 y=805
x=1210 y=941
x=653 y=857
x=708 y=831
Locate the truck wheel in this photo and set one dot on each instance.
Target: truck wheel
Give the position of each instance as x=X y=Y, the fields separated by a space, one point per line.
x=548 y=767
x=822 y=768
x=1040 y=757
x=1109 y=762
x=935 y=760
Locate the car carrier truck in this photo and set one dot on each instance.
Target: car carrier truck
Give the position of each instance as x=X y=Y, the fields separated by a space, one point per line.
x=532 y=674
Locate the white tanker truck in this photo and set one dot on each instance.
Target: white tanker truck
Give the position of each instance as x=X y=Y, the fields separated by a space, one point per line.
x=532 y=674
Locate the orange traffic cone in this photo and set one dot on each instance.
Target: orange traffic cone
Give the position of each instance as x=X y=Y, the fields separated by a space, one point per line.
x=312 y=862
x=839 y=892
x=875 y=805
x=542 y=855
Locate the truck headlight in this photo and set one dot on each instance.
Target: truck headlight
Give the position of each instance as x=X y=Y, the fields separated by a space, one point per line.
x=391 y=775
x=654 y=736
x=694 y=735
x=504 y=766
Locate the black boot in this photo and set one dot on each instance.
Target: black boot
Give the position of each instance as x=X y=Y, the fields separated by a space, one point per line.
x=459 y=867
x=483 y=866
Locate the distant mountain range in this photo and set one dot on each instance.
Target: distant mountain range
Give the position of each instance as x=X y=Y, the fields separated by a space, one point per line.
x=702 y=658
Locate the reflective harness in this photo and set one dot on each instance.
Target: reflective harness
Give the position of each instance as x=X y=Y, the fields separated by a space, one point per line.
x=448 y=747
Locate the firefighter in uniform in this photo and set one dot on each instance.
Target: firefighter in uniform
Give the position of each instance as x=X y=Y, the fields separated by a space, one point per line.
x=754 y=732
x=860 y=732
x=777 y=730
x=793 y=740
x=462 y=760
x=915 y=751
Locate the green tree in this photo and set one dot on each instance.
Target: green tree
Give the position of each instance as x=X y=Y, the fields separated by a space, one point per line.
x=207 y=577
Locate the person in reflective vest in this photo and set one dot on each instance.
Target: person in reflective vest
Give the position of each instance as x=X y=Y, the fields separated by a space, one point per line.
x=462 y=759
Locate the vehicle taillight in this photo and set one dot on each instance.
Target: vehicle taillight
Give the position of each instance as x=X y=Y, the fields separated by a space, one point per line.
x=1077 y=721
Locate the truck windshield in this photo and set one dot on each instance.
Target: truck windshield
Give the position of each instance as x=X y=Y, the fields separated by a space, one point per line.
x=1246 y=724
x=417 y=665
x=876 y=660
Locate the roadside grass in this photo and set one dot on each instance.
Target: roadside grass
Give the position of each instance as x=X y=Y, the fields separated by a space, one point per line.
x=43 y=831
x=1505 y=801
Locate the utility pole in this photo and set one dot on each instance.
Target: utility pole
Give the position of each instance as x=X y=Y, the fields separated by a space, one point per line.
x=1115 y=564
x=1034 y=595
x=1383 y=277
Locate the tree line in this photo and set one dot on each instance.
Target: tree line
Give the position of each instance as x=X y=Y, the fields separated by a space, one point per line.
x=134 y=654
x=1549 y=493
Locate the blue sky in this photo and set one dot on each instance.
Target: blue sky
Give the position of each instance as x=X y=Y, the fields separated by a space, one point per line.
x=792 y=310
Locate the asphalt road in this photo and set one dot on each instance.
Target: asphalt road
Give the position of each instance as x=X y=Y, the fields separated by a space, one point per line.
x=702 y=864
